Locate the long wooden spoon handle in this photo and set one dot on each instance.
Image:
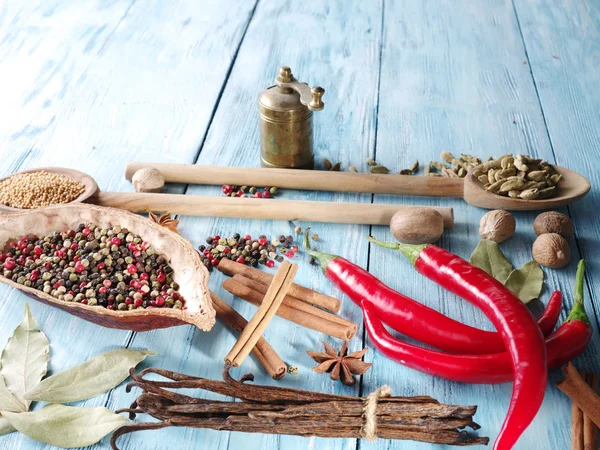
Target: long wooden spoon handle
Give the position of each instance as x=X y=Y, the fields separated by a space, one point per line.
x=256 y=208
x=305 y=179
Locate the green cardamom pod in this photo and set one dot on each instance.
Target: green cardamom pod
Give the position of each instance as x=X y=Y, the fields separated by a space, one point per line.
x=352 y=169
x=493 y=164
x=427 y=169
x=530 y=194
x=537 y=175
x=438 y=165
x=492 y=176
x=336 y=167
x=327 y=164
x=447 y=157
x=510 y=185
x=495 y=187
x=370 y=161
x=415 y=166
x=547 y=193
x=462 y=173
x=449 y=173
x=554 y=179
x=483 y=179
x=379 y=169
x=507 y=162
x=514 y=194
x=477 y=173
x=405 y=172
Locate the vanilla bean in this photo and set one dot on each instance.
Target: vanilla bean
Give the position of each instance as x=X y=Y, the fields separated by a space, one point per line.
x=276 y=410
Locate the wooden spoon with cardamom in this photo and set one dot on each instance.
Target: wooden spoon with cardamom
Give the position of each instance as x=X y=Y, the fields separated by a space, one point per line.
x=572 y=186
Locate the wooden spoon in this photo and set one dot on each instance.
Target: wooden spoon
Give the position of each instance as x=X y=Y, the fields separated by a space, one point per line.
x=572 y=187
x=251 y=208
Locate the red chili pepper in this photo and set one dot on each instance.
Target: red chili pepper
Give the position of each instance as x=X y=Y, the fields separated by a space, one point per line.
x=567 y=342
x=510 y=317
x=414 y=319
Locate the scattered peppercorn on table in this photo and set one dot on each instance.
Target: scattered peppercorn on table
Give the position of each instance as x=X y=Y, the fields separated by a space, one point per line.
x=95 y=86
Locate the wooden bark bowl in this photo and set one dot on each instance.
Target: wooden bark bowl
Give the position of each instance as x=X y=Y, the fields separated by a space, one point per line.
x=189 y=272
x=91 y=188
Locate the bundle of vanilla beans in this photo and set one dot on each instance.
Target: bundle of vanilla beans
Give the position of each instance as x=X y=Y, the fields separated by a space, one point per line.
x=276 y=410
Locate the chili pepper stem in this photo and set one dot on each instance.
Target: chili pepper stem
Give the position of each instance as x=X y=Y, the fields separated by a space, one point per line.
x=578 y=310
x=411 y=251
x=323 y=258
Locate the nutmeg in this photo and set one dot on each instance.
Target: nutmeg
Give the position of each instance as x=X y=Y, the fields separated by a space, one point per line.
x=554 y=222
x=551 y=250
x=417 y=225
x=497 y=225
x=148 y=180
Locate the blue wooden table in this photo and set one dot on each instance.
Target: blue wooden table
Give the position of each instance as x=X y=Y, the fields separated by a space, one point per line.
x=95 y=84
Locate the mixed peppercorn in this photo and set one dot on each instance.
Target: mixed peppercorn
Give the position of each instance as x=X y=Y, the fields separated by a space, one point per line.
x=95 y=266
x=250 y=191
x=245 y=250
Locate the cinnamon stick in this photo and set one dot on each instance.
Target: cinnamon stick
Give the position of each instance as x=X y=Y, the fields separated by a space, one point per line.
x=232 y=268
x=590 y=430
x=293 y=315
x=294 y=302
x=577 y=425
x=580 y=393
x=265 y=354
x=265 y=313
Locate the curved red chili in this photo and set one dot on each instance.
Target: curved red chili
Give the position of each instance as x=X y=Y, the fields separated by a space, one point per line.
x=567 y=342
x=414 y=319
x=510 y=317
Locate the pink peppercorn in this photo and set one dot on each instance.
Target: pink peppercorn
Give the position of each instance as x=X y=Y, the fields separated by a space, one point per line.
x=129 y=301
x=138 y=302
x=86 y=231
x=294 y=248
x=270 y=263
x=215 y=262
x=79 y=267
x=84 y=301
x=145 y=245
x=131 y=268
x=35 y=274
x=239 y=193
x=267 y=194
x=115 y=241
x=100 y=266
x=144 y=276
x=227 y=189
x=161 y=278
x=111 y=307
x=290 y=254
x=37 y=250
x=257 y=195
x=159 y=301
x=132 y=246
x=74 y=247
x=241 y=260
x=247 y=237
x=10 y=264
x=102 y=290
x=107 y=283
x=262 y=241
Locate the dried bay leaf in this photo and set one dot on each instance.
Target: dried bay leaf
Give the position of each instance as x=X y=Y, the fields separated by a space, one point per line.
x=8 y=401
x=66 y=426
x=24 y=360
x=489 y=258
x=526 y=282
x=5 y=426
x=93 y=377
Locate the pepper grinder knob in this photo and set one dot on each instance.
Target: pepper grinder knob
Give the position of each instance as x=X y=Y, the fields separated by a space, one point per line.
x=285 y=75
x=317 y=104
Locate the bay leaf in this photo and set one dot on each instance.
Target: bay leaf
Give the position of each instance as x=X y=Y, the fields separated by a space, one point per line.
x=526 y=282
x=66 y=426
x=5 y=426
x=24 y=360
x=8 y=401
x=93 y=377
x=489 y=258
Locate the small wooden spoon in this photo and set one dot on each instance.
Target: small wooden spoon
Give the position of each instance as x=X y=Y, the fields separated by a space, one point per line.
x=91 y=188
x=572 y=187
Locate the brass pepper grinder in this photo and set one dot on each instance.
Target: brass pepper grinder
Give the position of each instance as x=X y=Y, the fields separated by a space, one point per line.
x=286 y=136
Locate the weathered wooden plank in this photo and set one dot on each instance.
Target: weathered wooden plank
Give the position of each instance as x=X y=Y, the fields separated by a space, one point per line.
x=93 y=87
x=335 y=46
x=453 y=79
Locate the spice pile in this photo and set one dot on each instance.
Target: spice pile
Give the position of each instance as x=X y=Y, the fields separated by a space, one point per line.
x=251 y=191
x=39 y=189
x=246 y=250
x=95 y=266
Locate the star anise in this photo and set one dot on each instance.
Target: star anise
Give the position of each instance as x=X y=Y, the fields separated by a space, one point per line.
x=340 y=365
x=165 y=220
